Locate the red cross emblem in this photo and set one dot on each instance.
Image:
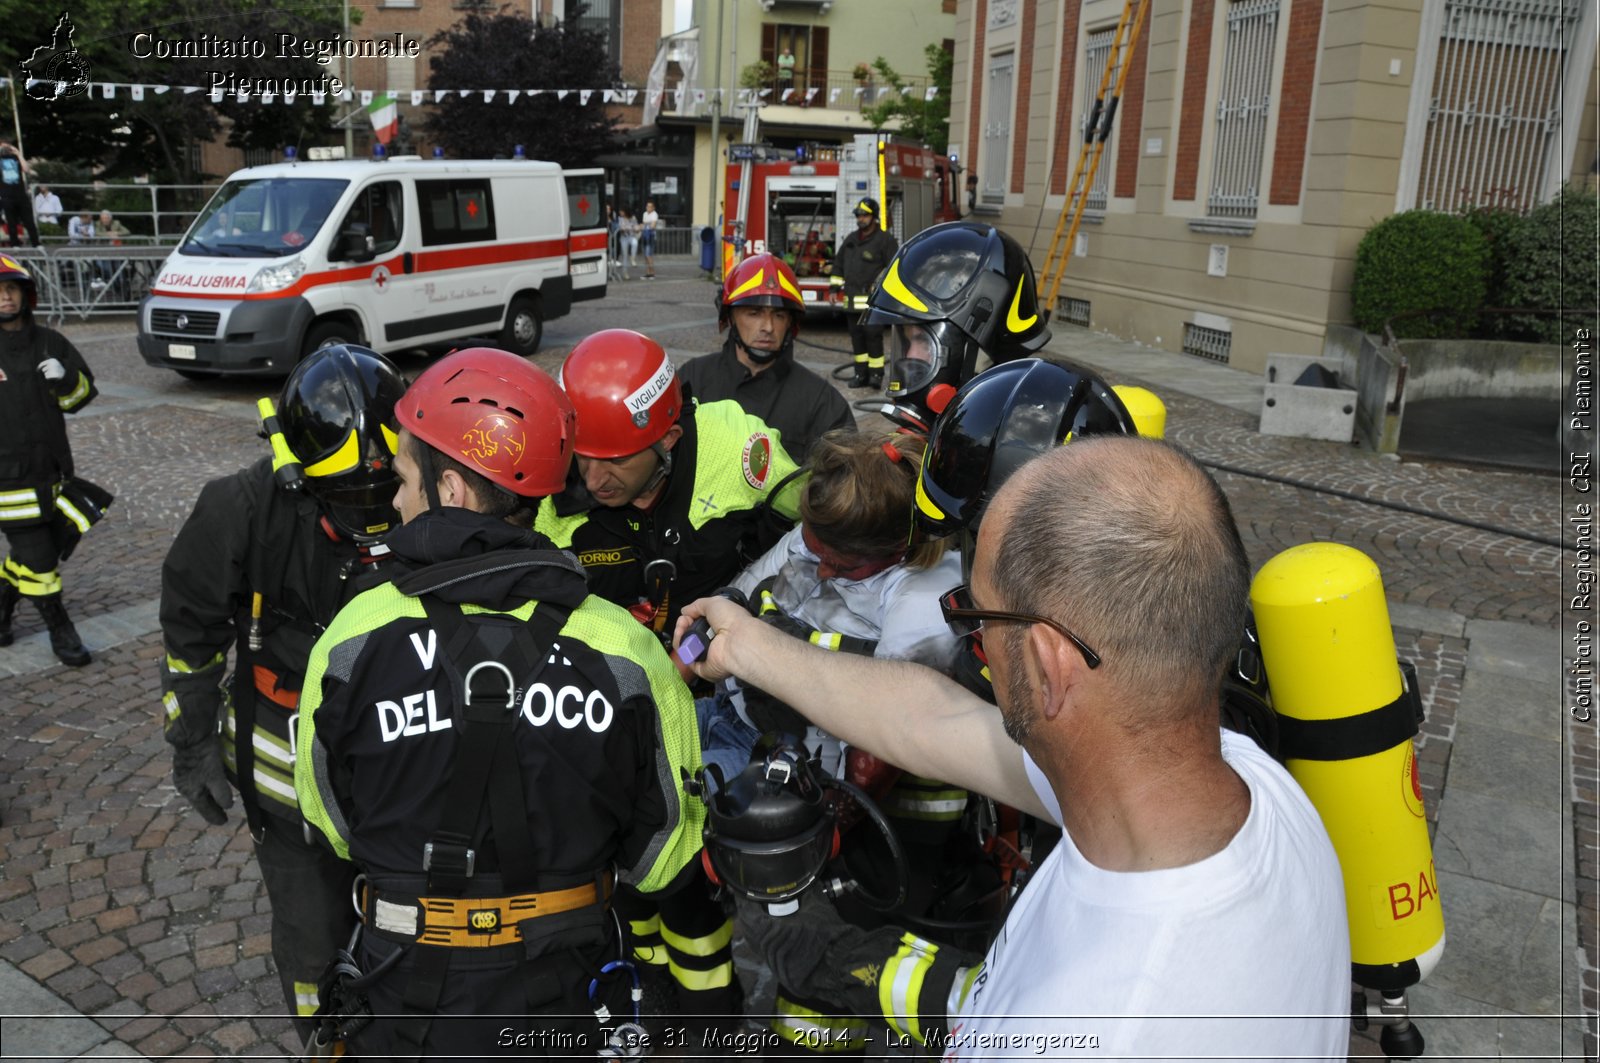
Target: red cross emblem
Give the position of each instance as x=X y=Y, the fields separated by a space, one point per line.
x=380 y=277
x=472 y=208
x=583 y=204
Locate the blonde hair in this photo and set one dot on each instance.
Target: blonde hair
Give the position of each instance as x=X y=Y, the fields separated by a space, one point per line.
x=859 y=496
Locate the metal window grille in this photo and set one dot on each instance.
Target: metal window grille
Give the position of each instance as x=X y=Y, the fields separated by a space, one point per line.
x=1073 y=311
x=1496 y=103
x=1243 y=101
x=1210 y=343
x=1096 y=52
x=997 y=130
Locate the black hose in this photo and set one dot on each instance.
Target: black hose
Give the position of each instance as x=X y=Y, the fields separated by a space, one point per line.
x=896 y=854
x=1542 y=540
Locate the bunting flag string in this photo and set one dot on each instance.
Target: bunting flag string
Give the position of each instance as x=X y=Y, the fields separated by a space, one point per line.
x=287 y=91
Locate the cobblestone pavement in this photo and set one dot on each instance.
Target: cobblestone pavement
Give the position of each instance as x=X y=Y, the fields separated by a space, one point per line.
x=116 y=898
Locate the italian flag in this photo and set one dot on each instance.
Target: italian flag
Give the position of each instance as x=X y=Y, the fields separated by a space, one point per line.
x=385 y=115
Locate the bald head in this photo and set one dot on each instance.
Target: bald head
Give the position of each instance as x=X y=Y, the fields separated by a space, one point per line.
x=1131 y=544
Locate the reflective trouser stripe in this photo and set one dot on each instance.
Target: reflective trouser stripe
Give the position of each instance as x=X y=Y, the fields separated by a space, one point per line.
x=647 y=944
x=305 y=998
x=686 y=956
x=858 y=302
x=812 y=1030
x=31 y=583
x=827 y=640
x=861 y=359
x=25 y=508
x=900 y=987
x=68 y=401
x=875 y=363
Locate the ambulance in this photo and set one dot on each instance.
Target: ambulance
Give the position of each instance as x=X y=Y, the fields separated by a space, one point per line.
x=391 y=253
x=798 y=203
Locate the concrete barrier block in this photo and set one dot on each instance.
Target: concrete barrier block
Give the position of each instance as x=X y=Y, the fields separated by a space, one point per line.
x=1307 y=412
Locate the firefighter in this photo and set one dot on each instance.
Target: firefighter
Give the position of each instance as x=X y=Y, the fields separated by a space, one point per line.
x=44 y=508
x=756 y=367
x=667 y=505
x=860 y=260
x=486 y=741
x=259 y=568
x=954 y=292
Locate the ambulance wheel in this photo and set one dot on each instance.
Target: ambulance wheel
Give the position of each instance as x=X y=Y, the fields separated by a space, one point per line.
x=327 y=334
x=524 y=327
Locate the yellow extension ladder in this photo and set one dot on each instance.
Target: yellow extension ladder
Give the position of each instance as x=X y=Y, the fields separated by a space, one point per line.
x=1094 y=144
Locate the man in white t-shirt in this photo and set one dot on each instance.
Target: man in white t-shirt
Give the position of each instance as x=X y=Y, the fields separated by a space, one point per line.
x=1194 y=907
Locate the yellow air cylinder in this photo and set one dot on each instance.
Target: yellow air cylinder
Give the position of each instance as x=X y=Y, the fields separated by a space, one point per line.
x=1149 y=413
x=1346 y=727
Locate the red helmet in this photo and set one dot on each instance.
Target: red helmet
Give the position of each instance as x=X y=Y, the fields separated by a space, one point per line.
x=12 y=270
x=761 y=280
x=625 y=391
x=496 y=414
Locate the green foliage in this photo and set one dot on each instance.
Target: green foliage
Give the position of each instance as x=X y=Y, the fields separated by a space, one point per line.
x=495 y=51
x=1497 y=226
x=920 y=118
x=757 y=75
x=1423 y=272
x=1550 y=266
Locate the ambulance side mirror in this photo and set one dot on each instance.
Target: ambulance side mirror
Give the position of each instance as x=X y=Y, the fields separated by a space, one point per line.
x=355 y=243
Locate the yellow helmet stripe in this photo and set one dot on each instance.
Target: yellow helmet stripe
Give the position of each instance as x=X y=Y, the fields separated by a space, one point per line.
x=391 y=438
x=783 y=282
x=925 y=503
x=342 y=460
x=1014 y=322
x=753 y=282
x=897 y=288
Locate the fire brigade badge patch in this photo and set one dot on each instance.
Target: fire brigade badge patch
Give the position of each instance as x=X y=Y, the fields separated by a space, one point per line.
x=757 y=460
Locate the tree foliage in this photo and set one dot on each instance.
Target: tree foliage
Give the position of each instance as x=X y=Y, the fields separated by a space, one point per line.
x=121 y=137
x=510 y=51
x=920 y=118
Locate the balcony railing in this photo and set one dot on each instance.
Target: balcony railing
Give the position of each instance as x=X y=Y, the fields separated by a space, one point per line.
x=833 y=90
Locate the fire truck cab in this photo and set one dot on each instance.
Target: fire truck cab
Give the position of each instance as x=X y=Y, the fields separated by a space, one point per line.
x=798 y=203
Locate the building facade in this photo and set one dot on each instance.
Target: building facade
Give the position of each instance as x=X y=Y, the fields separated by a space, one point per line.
x=1256 y=141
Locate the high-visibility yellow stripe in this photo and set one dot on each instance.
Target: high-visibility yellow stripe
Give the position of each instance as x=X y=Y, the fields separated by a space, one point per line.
x=718 y=977
x=79 y=392
x=707 y=945
x=72 y=513
x=900 y=987
x=11 y=498
x=182 y=667
x=305 y=998
x=342 y=460
x=816 y=1032
x=827 y=640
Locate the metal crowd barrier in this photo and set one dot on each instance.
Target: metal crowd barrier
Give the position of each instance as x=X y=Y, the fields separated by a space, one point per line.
x=90 y=280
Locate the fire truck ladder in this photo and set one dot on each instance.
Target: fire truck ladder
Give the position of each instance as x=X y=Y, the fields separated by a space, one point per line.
x=1098 y=130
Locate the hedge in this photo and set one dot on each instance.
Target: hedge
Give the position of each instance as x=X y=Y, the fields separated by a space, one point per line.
x=1422 y=272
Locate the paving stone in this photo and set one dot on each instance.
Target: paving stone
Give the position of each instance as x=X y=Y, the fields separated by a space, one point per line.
x=1507 y=766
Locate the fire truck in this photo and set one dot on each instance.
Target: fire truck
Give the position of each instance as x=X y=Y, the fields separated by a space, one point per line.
x=798 y=203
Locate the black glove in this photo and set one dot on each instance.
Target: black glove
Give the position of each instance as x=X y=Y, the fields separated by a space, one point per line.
x=198 y=775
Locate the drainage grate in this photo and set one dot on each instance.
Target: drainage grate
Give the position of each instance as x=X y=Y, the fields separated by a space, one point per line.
x=1073 y=311
x=1212 y=343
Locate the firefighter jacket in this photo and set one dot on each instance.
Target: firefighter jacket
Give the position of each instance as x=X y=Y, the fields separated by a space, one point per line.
x=707 y=525
x=603 y=727
x=860 y=260
x=35 y=456
x=246 y=536
x=793 y=400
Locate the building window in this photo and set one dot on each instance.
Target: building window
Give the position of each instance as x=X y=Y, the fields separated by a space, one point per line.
x=1096 y=53
x=808 y=46
x=997 y=130
x=1244 y=99
x=605 y=18
x=402 y=73
x=1496 y=103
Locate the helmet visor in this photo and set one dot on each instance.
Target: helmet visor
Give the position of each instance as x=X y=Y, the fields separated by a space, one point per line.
x=919 y=351
x=363 y=512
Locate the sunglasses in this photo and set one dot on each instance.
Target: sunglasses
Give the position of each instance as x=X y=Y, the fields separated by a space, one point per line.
x=967 y=622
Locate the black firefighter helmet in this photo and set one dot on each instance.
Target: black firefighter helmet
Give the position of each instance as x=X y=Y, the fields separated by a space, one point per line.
x=337 y=415
x=953 y=291
x=997 y=422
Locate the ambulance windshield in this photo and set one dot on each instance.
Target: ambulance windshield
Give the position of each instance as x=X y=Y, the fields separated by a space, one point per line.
x=263 y=216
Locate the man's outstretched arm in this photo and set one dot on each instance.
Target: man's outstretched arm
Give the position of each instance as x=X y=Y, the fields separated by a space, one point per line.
x=905 y=713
